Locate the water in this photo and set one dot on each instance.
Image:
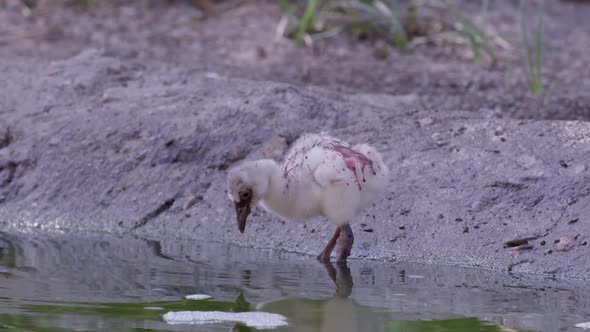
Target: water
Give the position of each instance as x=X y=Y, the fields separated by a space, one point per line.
x=52 y=282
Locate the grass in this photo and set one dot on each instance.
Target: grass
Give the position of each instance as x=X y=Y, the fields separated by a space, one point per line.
x=532 y=52
x=306 y=21
x=475 y=34
x=401 y=26
x=418 y=22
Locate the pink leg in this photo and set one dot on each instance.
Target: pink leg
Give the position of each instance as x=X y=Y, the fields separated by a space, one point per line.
x=345 y=243
x=324 y=256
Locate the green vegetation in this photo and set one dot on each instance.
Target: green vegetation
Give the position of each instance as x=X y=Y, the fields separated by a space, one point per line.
x=22 y=323
x=400 y=26
x=138 y=311
x=445 y=325
x=406 y=27
x=306 y=21
x=531 y=54
x=40 y=315
x=46 y=316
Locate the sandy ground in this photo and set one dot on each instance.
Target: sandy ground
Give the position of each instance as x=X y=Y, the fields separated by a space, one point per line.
x=110 y=123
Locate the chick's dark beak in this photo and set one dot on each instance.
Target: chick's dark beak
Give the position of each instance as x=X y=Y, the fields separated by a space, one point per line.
x=242 y=212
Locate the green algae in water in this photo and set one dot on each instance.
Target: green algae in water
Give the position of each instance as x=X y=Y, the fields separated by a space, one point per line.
x=39 y=317
x=138 y=311
x=43 y=315
x=470 y=324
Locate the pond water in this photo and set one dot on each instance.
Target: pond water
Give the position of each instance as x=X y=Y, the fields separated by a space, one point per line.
x=59 y=282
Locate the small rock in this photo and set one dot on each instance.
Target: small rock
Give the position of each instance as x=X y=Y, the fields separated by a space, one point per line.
x=425 y=121
x=578 y=168
x=573 y=221
x=525 y=247
x=465 y=229
x=192 y=200
x=520 y=241
x=565 y=243
x=516 y=242
x=439 y=139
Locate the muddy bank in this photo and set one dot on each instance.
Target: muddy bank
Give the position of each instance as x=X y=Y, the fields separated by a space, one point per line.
x=95 y=143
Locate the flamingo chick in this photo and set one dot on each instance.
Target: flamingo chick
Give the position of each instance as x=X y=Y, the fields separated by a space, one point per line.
x=320 y=176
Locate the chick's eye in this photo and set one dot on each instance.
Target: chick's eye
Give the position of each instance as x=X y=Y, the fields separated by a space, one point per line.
x=244 y=194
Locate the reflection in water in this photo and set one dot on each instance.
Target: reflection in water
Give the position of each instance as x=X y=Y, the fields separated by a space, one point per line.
x=343 y=283
x=343 y=314
x=7 y=253
x=336 y=313
x=101 y=283
x=341 y=278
